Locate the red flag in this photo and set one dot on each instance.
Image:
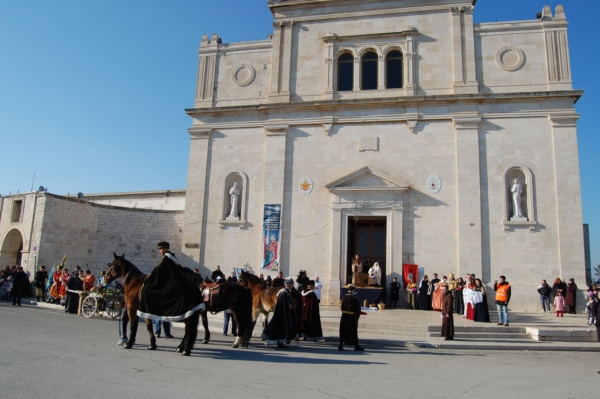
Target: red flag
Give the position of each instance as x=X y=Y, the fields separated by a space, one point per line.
x=410 y=269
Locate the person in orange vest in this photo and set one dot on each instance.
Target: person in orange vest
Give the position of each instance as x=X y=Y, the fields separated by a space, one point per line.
x=502 y=289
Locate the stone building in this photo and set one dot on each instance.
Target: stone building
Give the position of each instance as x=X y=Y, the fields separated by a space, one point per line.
x=396 y=129
x=39 y=228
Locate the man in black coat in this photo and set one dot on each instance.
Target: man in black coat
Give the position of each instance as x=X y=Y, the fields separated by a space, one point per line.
x=19 y=282
x=544 y=290
x=217 y=273
x=349 y=321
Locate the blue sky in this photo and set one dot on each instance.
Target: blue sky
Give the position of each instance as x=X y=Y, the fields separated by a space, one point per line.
x=92 y=93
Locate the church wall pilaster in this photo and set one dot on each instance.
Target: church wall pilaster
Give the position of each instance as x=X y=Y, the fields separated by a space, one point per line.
x=568 y=196
x=468 y=193
x=194 y=224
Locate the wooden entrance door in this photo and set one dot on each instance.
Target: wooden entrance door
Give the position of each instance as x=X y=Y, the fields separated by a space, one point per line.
x=367 y=238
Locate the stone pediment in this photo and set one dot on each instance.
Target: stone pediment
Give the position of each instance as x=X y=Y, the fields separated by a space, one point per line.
x=367 y=179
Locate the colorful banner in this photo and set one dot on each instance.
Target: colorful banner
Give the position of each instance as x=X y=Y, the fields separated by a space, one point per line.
x=271 y=238
x=407 y=270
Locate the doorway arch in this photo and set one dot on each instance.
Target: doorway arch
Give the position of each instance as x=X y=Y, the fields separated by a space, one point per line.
x=12 y=248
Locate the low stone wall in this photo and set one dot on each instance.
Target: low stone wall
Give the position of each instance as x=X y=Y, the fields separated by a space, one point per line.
x=89 y=233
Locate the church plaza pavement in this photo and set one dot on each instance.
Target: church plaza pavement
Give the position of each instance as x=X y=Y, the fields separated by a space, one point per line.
x=47 y=353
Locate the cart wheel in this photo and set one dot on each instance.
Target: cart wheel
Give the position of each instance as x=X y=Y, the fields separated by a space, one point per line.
x=111 y=308
x=89 y=306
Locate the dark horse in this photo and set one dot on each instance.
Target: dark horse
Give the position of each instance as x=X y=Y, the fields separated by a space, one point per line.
x=232 y=296
x=133 y=279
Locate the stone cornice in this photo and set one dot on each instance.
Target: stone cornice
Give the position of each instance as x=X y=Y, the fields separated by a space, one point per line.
x=408 y=101
x=197 y=132
x=565 y=120
x=334 y=37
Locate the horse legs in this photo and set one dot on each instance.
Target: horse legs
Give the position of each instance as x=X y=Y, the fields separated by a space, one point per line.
x=205 y=325
x=133 y=323
x=191 y=332
x=152 y=337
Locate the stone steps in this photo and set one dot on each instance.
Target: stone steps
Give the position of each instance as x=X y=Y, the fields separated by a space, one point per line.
x=496 y=336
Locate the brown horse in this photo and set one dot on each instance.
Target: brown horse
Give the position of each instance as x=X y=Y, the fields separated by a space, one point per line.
x=229 y=296
x=263 y=299
x=133 y=279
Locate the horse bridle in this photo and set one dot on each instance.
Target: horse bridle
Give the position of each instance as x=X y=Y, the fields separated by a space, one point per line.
x=112 y=267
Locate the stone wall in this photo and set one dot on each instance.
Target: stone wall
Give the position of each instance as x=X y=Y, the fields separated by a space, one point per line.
x=89 y=233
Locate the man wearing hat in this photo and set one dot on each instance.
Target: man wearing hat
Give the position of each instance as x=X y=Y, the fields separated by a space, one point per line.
x=169 y=295
x=282 y=326
x=349 y=321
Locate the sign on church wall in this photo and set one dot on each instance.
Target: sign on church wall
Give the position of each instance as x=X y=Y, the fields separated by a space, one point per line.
x=271 y=237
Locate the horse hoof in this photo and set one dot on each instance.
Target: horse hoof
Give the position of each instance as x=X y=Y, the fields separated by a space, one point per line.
x=152 y=347
x=127 y=346
x=205 y=341
x=186 y=353
x=234 y=345
x=178 y=350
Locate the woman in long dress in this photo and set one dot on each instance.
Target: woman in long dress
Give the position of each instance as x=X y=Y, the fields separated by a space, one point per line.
x=411 y=295
x=438 y=295
x=570 y=300
x=56 y=283
x=482 y=313
x=447 y=317
x=459 y=304
x=468 y=294
x=424 y=295
x=64 y=277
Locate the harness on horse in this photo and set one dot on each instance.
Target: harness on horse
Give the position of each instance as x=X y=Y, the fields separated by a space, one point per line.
x=208 y=293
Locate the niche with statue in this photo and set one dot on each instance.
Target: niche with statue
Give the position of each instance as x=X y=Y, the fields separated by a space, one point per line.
x=518 y=195
x=234 y=198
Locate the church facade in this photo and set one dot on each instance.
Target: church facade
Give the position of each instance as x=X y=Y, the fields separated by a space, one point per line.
x=398 y=130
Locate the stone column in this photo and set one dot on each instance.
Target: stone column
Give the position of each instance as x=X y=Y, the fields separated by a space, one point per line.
x=329 y=73
x=207 y=66
x=465 y=80
x=468 y=188
x=409 y=63
x=568 y=198
x=331 y=288
x=381 y=73
x=194 y=223
x=357 y=72
x=281 y=62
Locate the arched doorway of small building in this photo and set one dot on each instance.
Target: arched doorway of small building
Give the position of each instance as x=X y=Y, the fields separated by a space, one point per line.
x=12 y=248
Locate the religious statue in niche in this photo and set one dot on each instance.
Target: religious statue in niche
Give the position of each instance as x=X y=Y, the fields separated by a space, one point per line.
x=516 y=190
x=234 y=193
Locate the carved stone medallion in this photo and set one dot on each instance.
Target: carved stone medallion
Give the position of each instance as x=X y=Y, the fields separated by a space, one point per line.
x=434 y=184
x=510 y=58
x=306 y=185
x=243 y=74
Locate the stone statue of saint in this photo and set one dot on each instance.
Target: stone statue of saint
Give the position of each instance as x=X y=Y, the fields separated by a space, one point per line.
x=517 y=190
x=234 y=192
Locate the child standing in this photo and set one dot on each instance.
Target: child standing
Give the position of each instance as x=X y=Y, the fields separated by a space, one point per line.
x=559 y=303
x=591 y=307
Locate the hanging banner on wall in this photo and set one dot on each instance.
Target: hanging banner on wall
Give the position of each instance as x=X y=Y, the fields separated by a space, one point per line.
x=271 y=237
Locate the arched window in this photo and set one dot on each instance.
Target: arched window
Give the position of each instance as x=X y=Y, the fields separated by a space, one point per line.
x=345 y=72
x=369 y=71
x=393 y=65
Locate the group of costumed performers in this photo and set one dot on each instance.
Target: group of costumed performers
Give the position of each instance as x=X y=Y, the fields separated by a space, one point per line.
x=168 y=295
x=282 y=327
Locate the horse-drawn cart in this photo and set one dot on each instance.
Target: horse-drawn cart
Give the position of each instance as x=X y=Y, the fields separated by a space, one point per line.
x=104 y=300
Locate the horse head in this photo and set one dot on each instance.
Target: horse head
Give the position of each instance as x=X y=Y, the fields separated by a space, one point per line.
x=118 y=268
x=248 y=280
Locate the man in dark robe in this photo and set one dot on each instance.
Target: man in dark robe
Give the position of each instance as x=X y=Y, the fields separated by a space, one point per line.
x=40 y=283
x=394 y=293
x=282 y=327
x=74 y=283
x=168 y=294
x=424 y=296
x=447 y=318
x=217 y=273
x=349 y=321
x=19 y=281
x=310 y=327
